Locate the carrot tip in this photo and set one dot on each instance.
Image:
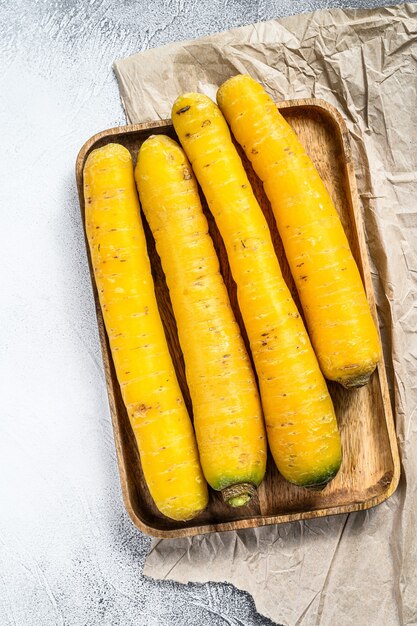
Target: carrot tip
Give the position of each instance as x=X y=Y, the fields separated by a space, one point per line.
x=238 y=495
x=358 y=381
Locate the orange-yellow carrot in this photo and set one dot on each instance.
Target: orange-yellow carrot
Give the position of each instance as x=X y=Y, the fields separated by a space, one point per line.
x=341 y=327
x=226 y=406
x=301 y=424
x=144 y=369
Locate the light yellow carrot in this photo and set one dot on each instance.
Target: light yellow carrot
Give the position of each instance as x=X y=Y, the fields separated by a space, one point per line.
x=226 y=406
x=144 y=368
x=301 y=424
x=341 y=327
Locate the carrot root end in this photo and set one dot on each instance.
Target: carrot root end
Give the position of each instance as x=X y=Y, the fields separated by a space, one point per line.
x=238 y=495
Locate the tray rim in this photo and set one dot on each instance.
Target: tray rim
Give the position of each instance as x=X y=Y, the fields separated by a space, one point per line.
x=357 y=223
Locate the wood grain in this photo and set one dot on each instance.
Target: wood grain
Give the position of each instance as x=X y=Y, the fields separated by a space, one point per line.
x=370 y=469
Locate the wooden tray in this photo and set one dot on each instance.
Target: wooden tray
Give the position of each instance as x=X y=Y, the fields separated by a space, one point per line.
x=370 y=469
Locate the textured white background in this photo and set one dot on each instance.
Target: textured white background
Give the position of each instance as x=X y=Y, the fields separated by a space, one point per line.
x=68 y=552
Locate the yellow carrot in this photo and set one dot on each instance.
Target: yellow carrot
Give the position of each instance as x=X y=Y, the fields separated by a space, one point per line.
x=226 y=406
x=341 y=327
x=144 y=368
x=301 y=424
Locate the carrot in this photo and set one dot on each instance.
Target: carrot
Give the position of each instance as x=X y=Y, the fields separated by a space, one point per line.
x=226 y=406
x=300 y=419
x=341 y=327
x=144 y=368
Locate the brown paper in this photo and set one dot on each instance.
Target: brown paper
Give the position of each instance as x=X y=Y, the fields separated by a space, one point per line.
x=361 y=568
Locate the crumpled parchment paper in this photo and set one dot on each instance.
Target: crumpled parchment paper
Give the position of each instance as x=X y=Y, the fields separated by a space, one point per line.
x=359 y=568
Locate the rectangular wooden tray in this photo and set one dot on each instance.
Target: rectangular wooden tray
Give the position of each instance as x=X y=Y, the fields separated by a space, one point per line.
x=370 y=470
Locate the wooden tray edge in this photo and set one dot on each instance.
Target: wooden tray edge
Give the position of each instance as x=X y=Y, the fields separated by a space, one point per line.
x=358 y=223
x=257 y=522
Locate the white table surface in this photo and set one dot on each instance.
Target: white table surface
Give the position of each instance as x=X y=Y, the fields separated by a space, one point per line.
x=68 y=551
